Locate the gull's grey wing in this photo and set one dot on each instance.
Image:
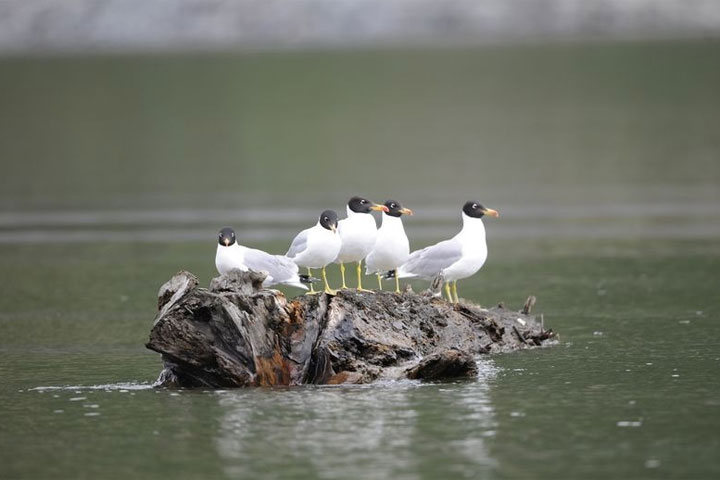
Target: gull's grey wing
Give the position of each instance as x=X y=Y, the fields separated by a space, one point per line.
x=279 y=267
x=431 y=260
x=298 y=245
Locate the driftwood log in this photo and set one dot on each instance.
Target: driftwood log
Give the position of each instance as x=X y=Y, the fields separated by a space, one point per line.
x=237 y=334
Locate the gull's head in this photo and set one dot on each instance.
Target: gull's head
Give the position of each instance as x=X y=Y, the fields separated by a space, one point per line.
x=226 y=237
x=477 y=210
x=329 y=220
x=363 y=205
x=394 y=209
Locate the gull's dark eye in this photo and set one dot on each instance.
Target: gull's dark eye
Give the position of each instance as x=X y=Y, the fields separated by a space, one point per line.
x=363 y=201
x=233 y=234
x=326 y=218
x=474 y=206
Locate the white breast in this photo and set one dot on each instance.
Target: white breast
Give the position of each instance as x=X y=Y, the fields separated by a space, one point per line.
x=323 y=246
x=474 y=251
x=229 y=258
x=472 y=260
x=358 y=233
x=391 y=249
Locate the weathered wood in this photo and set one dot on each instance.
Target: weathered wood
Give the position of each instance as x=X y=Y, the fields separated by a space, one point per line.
x=235 y=333
x=444 y=365
x=529 y=304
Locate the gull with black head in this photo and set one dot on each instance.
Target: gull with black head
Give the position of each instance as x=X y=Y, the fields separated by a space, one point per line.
x=391 y=246
x=358 y=233
x=317 y=246
x=457 y=258
x=279 y=269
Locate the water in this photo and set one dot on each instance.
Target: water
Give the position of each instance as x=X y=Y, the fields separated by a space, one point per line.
x=602 y=159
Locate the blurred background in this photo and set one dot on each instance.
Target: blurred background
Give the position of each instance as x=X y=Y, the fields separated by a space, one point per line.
x=131 y=131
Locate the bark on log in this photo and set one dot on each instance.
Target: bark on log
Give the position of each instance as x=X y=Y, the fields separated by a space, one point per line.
x=444 y=365
x=236 y=334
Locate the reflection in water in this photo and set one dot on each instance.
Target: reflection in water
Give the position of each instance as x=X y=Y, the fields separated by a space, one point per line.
x=401 y=430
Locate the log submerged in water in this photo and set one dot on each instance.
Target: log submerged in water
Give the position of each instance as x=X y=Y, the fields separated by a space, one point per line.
x=237 y=334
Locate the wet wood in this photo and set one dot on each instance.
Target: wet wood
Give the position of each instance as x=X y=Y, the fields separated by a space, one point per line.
x=444 y=365
x=236 y=334
x=529 y=304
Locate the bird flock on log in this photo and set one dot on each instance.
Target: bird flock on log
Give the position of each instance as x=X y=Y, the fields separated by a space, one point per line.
x=356 y=238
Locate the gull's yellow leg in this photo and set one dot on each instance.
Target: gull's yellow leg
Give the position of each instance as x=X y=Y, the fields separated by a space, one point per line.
x=379 y=281
x=359 y=275
x=447 y=291
x=312 y=289
x=342 y=273
x=454 y=289
x=397 y=282
x=327 y=287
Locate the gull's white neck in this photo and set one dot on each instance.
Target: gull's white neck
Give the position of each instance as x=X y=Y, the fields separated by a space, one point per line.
x=360 y=220
x=472 y=227
x=235 y=248
x=318 y=227
x=392 y=223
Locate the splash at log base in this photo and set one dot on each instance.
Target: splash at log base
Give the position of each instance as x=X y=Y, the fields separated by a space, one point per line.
x=237 y=334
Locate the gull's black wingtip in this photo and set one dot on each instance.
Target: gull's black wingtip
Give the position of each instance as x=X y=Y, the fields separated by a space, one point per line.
x=308 y=279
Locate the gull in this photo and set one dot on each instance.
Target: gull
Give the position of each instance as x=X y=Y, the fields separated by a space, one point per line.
x=457 y=258
x=358 y=233
x=391 y=246
x=279 y=268
x=317 y=246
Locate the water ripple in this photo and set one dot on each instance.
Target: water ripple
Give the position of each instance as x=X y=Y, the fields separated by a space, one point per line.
x=109 y=386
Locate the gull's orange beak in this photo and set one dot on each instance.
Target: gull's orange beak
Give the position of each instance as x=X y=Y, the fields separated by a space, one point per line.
x=491 y=212
x=380 y=208
x=406 y=211
x=333 y=228
x=226 y=241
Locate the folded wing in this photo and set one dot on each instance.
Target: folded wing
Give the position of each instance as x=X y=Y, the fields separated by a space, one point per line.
x=298 y=245
x=430 y=261
x=280 y=268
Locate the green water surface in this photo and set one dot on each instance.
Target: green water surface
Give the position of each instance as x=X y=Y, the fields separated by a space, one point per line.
x=604 y=161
